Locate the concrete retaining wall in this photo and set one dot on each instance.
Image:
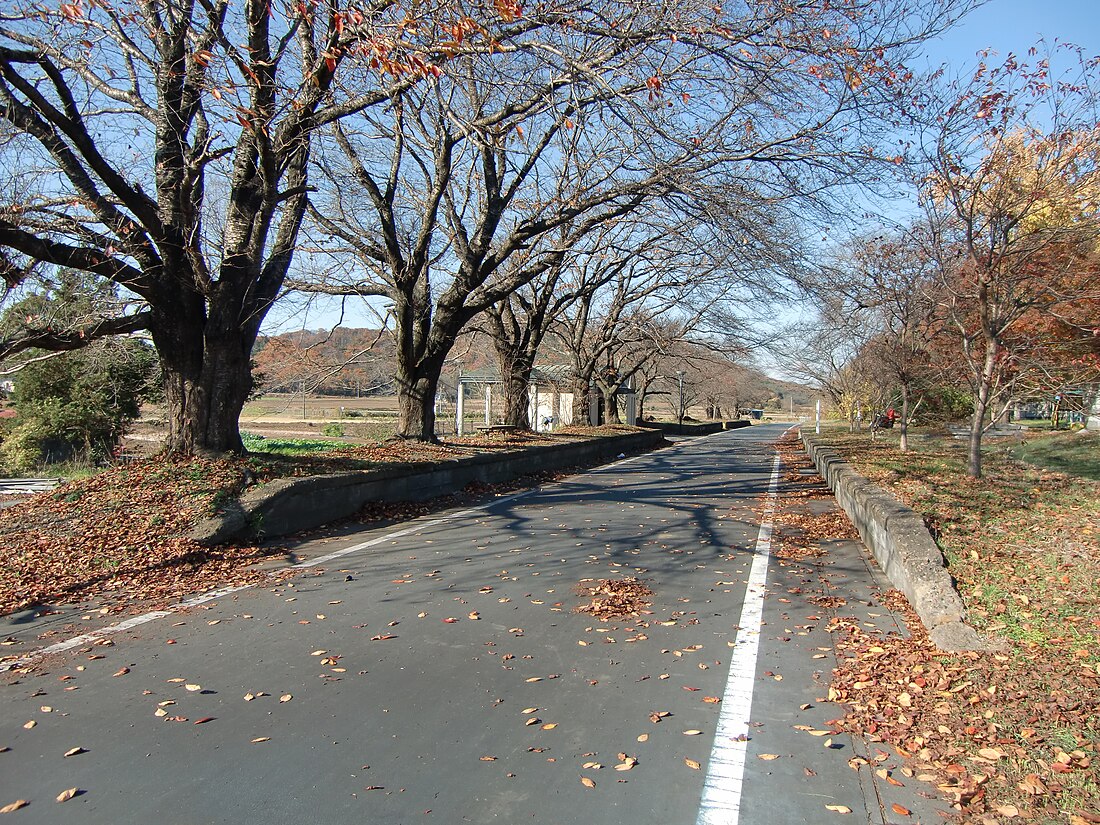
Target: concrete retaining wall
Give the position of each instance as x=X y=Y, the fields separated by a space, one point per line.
x=290 y=505
x=687 y=428
x=898 y=539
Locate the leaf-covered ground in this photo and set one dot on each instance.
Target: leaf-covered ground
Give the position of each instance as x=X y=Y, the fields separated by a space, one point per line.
x=118 y=534
x=1011 y=735
x=121 y=536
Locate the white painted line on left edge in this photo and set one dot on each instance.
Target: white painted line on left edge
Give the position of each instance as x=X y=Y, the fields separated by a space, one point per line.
x=128 y=624
x=721 y=802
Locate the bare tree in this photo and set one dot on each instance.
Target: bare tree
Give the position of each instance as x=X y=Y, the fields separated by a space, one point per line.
x=169 y=143
x=441 y=197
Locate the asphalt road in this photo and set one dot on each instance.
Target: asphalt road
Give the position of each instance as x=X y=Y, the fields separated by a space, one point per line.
x=439 y=673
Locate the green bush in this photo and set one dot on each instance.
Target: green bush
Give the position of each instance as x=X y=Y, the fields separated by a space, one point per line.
x=72 y=407
x=76 y=406
x=333 y=430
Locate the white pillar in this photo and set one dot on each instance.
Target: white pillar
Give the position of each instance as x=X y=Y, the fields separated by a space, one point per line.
x=817 y=417
x=488 y=404
x=459 y=406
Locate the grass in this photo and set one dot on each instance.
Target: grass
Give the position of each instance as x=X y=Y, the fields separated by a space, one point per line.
x=1023 y=544
x=1075 y=453
x=290 y=446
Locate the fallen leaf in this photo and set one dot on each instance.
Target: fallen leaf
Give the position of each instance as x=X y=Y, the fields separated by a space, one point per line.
x=30 y=724
x=286 y=697
x=644 y=737
x=74 y=751
x=840 y=809
x=248 y=697
x=66 y=795
x=203 y=721
x=122 y=671
x=1009 y=811
x=588 y=783
x=767 y=757
x=990 y=753
x=711 y=700
x=691 y=763
x=14 y=806
x=899 y=810
x=527 y=711
x=193 y=688
x=550 y=726
x=692 y=732
x=1032 y=784
x=262 y=739
x=473 y=615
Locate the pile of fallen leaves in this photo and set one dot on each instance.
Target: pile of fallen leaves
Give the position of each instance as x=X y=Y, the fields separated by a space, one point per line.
x=120 y=533
x=614 y=599
x=1010 y=734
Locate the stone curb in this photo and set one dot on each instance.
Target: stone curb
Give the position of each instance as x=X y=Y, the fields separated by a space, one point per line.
x=899 y=540
x=290 y=505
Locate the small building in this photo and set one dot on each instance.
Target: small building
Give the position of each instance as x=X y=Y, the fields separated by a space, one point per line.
x=550 y=399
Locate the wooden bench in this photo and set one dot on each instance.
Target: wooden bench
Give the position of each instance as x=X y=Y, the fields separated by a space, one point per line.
x=496 y=428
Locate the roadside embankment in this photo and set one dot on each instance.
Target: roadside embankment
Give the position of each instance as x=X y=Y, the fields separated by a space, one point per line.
x=898 y=539
x=290 y=505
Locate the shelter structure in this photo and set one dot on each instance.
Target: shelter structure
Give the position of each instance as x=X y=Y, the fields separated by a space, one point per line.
x=550 y=399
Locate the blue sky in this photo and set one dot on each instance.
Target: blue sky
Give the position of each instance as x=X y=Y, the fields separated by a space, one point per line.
x=1016 y=25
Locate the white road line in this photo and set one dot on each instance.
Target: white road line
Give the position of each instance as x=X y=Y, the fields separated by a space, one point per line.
x=145 y=618
x=721 y=802
x=128 y=624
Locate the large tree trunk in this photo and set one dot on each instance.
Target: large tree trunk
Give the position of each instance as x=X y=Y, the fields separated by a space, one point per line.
x=516 y=367
x=582 y=379
x=207 y=379
x=422 y=345
x=516 y=386
x=610 y=405
x=416 y=406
